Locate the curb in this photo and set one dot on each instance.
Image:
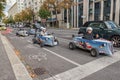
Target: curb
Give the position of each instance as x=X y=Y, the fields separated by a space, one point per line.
x=19 y=69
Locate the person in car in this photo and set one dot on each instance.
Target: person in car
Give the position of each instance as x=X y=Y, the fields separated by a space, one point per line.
x=89 y=35
x=97 y=36
x=43 y=32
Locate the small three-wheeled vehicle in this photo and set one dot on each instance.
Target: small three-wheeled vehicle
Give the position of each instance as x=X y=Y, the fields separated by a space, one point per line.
x=22 y=32
x=48 y=40
x=96 y=46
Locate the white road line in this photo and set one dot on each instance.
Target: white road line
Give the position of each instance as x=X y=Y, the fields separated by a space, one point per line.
x=62 y=57
x=87 y=69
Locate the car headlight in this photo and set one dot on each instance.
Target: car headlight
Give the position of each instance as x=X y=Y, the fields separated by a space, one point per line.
x=103 y=45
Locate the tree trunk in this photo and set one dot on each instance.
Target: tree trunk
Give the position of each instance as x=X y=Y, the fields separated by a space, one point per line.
x=57 y=25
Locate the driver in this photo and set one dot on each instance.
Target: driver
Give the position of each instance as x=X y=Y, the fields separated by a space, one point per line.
x=89 y=35
x=43 y=32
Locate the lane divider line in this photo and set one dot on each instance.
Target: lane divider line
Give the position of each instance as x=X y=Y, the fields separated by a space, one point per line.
x=62 y=57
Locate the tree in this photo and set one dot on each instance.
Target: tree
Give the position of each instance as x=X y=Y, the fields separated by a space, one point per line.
x=57 y=5
x=44 y=13
x=53 y=5
x=11 y=20
x=26 y=15
x=6 y=20
x=2 y=6
x=17 y=17
x=29 y=14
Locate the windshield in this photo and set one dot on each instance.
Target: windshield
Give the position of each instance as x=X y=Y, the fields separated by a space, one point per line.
x=111 y=25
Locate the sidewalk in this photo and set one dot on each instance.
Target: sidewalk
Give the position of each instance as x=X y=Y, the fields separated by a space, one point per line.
x=6 y=72
x=11 y=68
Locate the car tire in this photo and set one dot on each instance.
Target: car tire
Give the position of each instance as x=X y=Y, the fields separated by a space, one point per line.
x=34 y=41
x=16 y=34
x=116 y=41
x=28 y=34
x=94 y=52
x=72 y=46
x=57 y=42
x=42 y=44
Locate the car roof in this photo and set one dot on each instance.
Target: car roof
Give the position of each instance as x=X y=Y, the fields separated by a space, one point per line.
x=102 y=21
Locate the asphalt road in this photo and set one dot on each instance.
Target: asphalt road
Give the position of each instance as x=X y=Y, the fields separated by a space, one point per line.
x=50 y=61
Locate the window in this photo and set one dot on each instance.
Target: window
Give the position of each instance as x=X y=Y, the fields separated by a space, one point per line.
x=97 y=25
x=111 y=25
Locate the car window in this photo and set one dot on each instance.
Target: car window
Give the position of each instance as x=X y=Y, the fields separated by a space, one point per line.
x=94 y=25
x=111 y=25
x=102 y=25
x=97 y=25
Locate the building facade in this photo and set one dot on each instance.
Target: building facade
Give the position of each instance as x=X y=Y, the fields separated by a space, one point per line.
x=13 y=10
x=20 y=5
x=89 y=10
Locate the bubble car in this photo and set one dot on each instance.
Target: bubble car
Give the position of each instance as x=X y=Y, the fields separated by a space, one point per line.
x=22 y=32
x=48 y=40
x=96 y=46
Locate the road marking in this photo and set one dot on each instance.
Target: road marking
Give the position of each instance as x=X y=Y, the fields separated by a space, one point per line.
x=39 y=57
x=87 y=69
x=30 y=46
x=62 y=57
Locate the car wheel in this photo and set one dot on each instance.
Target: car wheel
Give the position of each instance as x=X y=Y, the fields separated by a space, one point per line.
x=116 y=41
x=71 y=46
x=42 y=44
x=34 y=41
x=28 y=35
x=94 y=53
x=57 y=41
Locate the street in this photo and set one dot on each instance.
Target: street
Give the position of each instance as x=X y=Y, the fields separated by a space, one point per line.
x=61 y=63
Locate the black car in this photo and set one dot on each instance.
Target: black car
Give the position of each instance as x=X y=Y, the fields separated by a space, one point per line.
x=106 y=29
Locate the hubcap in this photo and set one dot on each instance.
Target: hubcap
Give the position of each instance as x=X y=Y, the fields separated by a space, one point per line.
x=71 y=46
x=116 y=41
x=93 y=52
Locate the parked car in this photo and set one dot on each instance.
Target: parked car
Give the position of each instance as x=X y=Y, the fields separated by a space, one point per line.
x=106 y=29
x=22 y=32
x=2 y=27
x=49 y=40
x=95 y=47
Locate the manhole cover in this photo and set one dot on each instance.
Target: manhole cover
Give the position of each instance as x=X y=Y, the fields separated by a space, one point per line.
x=40 y=71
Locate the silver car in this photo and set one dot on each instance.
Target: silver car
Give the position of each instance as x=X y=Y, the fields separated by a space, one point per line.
x=22 y=32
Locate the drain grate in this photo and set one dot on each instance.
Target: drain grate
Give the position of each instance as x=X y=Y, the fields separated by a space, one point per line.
x=40 y=71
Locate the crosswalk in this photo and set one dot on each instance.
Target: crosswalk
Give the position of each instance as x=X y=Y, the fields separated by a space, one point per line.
x=87 y=69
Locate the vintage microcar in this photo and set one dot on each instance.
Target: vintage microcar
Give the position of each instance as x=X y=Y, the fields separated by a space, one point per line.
x=48 y=40
x=96 y=46
x=22 y=32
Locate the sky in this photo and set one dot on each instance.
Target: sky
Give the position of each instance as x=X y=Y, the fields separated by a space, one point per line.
x=9 y=4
